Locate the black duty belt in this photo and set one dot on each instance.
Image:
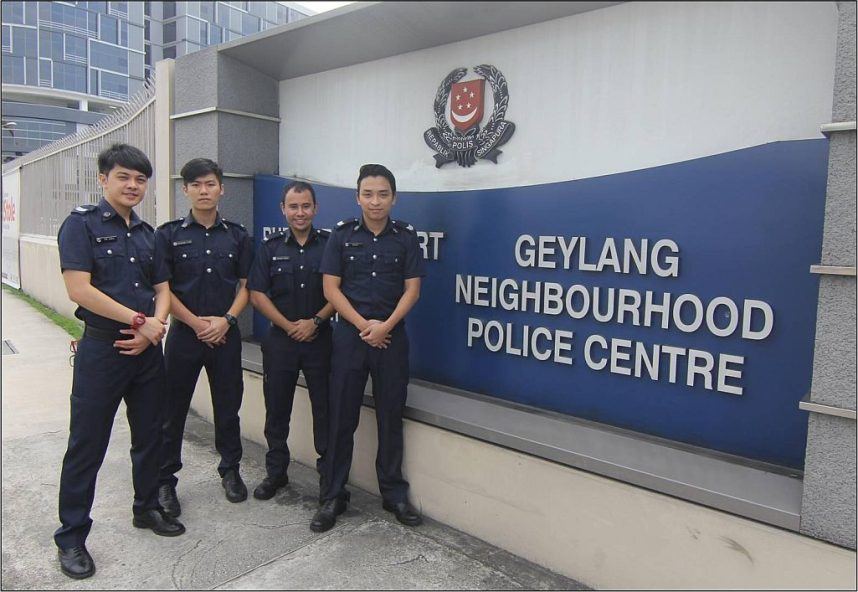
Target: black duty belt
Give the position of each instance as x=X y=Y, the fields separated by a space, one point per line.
x=104 y=334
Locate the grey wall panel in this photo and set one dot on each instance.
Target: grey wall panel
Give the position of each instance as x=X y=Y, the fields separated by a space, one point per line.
x=246 y=145
x=196 y=81
x=838 y=245
x=828 y=506
x=844 y=84
x=834 y=381
x=246 y=89
x=237 y=202
x=195 y=137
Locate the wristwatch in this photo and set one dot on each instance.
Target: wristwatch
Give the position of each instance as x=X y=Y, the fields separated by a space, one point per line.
x=138 y=320
x=230 y=319
x=317 y=320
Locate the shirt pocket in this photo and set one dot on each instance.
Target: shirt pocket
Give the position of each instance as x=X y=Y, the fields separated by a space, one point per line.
x=108 y=257
x=391 y=264
x=356 y=263
x=282 y=275
x=186 y=256
x=227 y=264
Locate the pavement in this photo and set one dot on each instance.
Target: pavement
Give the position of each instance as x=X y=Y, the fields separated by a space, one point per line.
x=254 y=545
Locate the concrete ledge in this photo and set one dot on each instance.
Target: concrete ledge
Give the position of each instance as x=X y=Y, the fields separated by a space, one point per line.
x=596 y=530
x=755 y=490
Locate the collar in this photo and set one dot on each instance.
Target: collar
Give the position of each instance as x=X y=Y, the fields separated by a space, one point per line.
x=189 y=219
x=108 y=212
x=389 y=227
x=313 y=235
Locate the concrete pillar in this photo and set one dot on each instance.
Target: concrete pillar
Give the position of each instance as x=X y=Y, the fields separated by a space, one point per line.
x=229 y=112
x=164 y=81
x=829 y=504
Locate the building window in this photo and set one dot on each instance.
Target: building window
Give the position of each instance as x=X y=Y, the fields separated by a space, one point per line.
x=249 y=24
x=215 y=34
x=70 y=77
x=170 y=52
x=13 y=12
x=46 y=73
x=109 y=57
x=113 y=86
x=24 y=42
x=31 y=13
x=13 y=69
x=207 y=11
x=109 y=30
x=119 y=9
x=75 y=49
x=51 y=45
x=169 y=9
x=7 y=39
x=170 y=32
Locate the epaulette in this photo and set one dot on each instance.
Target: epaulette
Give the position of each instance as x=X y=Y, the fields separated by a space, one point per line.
x=345 y=223
x=231 y=223
x=147 y=225
x=273 y=235
x=176 y=221
x=323 y=232
x=84 y=209
x=403 y=225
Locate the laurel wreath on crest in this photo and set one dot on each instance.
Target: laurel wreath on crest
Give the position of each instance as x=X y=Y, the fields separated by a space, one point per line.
x=441 y=103
x=500 y=95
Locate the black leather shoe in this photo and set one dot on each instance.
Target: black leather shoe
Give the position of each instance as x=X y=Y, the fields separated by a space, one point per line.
x=404 y=513
x=76 y=562
x=326 y=517
x=169 y=501
x=159 y=522
x=269 y=487
x=236 y=490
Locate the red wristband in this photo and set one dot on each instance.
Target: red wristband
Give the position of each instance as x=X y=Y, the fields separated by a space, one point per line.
x=138 y=320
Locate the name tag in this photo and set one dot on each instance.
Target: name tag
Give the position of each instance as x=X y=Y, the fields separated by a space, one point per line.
x=353 y=244
x=281 y=258
x=180 y=243
x=105 y=239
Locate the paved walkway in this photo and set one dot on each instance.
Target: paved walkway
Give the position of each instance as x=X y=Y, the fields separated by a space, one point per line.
x=252 y=545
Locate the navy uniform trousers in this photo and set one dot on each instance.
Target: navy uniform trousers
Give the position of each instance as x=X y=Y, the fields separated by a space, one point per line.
x=185 y=356
x=102 y=378
x=352 y=361
x=282 y=357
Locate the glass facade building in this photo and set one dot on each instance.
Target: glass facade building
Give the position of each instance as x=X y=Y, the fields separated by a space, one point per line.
x=67 y=64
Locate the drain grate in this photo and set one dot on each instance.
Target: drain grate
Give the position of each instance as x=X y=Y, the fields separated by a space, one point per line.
x=8 y=348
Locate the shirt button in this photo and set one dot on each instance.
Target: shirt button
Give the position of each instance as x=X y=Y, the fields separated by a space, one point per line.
x=301 y=267
x=279 y=269
x=136 y=284
x=128 y=235
x=375 y=256
x=300 y=250
x=373 y=274
x=132 y=260
x=208 y=269
x=230 y=255
x=374 y=239
x=184 y=255
x=351 y=257
x=207 y=234
x=302 y=285
x=109 y=252
x=208 y=251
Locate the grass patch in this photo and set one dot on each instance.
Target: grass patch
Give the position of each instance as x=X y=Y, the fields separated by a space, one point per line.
x=71 y=326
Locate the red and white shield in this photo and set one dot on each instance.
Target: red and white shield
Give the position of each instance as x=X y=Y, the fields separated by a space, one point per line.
x=466 y=103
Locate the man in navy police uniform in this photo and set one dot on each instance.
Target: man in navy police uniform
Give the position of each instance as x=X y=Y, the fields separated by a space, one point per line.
x=208 y=259
x=113 y=272
x=286 y=286
x=372 y=268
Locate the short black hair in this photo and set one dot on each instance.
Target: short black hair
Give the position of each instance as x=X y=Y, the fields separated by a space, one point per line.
x=200 y=167
x=124 y=155
x=300 y=187
x=376 y=170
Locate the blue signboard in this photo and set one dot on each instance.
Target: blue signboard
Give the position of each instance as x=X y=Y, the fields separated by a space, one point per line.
x=675 y=301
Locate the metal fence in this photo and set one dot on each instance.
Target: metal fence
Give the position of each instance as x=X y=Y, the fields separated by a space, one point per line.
x=62 y=175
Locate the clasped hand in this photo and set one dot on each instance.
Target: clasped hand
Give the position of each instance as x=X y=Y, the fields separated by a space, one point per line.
x=303 y=330
x=376 y=334
x=150 y=333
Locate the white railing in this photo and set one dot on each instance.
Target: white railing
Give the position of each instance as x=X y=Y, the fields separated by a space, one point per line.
x=63 y=174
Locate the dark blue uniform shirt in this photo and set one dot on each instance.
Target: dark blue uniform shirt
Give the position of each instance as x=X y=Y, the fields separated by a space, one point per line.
x=288 y=273
x=121 y=259
x=205 y=264
x=373 y=269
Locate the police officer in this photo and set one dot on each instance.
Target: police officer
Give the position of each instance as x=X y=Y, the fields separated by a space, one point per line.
x=111 y=270
x=208 y=259
x=372 y=268
x=286 y=286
